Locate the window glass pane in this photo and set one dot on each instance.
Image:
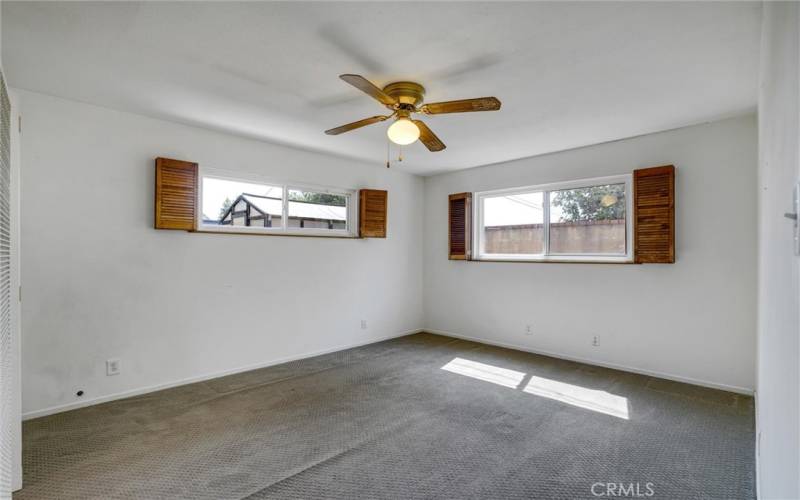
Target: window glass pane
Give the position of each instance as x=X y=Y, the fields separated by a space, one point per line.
x=589 y=220
x=513 y=224
x=315 y=210
x=234 y=203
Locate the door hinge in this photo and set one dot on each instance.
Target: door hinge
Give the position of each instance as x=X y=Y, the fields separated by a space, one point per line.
x=19 y=124
x=20 y=293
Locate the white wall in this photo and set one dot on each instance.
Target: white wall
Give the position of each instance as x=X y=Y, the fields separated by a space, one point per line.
x=100 y=282
x=694 y=320
x=778 y=396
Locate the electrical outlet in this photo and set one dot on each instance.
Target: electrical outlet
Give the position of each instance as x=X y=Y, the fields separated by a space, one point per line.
x=528 y=330
x=596 y=341
x=363 y=324
x=112 y=367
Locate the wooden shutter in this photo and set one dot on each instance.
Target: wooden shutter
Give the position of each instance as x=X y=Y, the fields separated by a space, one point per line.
x=460 y=226
x=654 y=215
x=176 y=194
x=372 y=213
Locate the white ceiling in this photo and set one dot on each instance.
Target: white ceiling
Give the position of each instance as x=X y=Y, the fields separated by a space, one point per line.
x=568 y=74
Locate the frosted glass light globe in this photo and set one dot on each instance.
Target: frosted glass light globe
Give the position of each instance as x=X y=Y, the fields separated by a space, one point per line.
x=608 y=200
x=403 y=132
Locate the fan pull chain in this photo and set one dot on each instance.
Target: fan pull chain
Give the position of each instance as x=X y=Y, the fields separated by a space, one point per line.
x=388 y=151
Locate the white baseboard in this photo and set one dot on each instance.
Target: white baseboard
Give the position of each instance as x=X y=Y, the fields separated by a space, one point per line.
x=200 y=378
x=604 y=364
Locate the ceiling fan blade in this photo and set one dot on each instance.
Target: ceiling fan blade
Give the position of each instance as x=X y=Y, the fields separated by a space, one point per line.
x=352 y=126
x=462 y=106
x=369 y=88
x=428 y=138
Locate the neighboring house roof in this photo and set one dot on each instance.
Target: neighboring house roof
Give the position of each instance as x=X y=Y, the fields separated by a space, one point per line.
x=264 y=204
x=301 y=209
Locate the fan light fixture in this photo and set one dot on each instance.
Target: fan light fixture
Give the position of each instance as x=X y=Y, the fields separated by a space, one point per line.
x=608 y=200
x=404 y=99
x=403 y=132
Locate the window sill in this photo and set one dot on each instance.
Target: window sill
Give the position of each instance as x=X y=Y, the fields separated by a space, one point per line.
x=560 y=260
x=310 y=234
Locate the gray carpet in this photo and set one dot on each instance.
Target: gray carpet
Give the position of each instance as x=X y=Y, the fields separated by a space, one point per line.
x=386 y=421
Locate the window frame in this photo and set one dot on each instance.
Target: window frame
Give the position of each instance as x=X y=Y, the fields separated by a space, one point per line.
x=351 y=230
x=546 y=190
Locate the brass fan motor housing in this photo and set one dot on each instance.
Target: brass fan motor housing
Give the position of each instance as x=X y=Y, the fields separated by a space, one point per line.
x=406 y=92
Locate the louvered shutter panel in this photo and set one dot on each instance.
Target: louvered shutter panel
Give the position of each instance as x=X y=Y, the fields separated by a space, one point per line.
x=8 y=359
x=372 y=213
x=654 y=215
x=176 y=194
x=460 y=226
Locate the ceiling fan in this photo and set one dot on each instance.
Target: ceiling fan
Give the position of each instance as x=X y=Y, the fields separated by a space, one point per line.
x=404 y=99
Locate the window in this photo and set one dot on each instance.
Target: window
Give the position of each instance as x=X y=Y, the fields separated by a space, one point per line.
x=513 y=224
x=572 y=221
x=588 y=220
x=315 y=209
x=239 y=205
